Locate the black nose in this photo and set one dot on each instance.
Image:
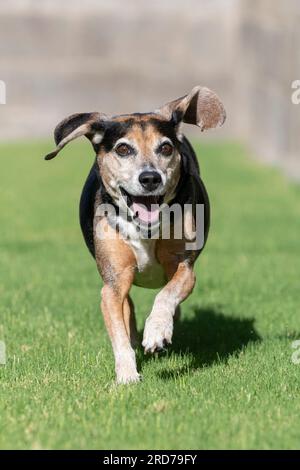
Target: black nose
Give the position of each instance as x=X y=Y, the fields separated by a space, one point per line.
x=150 y=180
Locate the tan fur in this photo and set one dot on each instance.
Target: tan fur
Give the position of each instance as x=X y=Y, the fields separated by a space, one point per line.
x=114 y=170
x=121 y=262
x=116 y=264
x=119 y=266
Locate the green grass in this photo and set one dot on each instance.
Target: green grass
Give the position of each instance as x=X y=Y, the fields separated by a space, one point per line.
x=227 y=381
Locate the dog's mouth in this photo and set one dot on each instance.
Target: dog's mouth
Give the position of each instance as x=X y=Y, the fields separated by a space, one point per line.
x=144 y=208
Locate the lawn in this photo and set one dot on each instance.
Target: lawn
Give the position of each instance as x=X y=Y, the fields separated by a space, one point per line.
x=227 y=381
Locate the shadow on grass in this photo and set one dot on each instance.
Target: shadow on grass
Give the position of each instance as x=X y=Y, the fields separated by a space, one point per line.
x=209 y=337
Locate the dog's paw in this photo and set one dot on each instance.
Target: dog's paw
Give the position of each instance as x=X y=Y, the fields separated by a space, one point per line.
x=126 y=371
x=158 y=332
x=126 y=377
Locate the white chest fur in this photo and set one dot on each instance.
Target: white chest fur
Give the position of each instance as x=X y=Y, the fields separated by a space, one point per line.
x=149 y=272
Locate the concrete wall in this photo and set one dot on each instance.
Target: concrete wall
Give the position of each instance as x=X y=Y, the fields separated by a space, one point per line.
x=133 y=55
x=268 y=58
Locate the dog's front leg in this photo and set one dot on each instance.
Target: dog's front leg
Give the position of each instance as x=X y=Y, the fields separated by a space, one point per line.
x=159 y=325
x=113 y=299
x=116 y=264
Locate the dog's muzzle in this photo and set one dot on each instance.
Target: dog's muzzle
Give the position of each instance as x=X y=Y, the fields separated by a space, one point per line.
x=144 y=209
x=150 y=180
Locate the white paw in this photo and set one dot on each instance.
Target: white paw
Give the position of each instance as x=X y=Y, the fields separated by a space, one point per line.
x=125 y=366
x=158 y=332
x=127 y=377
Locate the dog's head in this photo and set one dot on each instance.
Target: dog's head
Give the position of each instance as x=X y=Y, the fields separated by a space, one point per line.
x=139 y=154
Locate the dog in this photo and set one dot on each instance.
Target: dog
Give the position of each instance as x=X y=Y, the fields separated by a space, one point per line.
x=143 y=162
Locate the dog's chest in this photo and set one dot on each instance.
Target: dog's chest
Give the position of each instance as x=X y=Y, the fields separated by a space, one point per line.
x=149 y=272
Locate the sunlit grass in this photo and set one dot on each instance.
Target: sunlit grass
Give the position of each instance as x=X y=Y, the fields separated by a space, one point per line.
x=227 y=381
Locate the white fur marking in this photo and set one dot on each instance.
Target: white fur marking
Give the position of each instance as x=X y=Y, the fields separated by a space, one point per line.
x=159 y=325
x=149 y=272
x=126 y=370
x=97 y=138
x=158 y=331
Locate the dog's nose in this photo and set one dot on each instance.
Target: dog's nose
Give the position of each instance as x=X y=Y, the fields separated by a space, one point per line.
x=150 y=180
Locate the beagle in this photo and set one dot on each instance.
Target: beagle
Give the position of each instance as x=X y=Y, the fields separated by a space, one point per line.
x=143 y=165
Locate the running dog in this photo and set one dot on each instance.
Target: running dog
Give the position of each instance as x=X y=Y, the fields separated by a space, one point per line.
x=143 y=163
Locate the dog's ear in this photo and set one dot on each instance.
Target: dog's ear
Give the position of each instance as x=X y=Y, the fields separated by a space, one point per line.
x=201 y=107
x=89 y=124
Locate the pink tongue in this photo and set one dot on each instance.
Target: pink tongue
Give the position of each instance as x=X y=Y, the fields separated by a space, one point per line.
x=145 y=215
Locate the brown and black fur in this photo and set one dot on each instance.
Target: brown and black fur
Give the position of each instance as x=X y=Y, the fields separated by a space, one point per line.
x=153 y=145
x=190 y=189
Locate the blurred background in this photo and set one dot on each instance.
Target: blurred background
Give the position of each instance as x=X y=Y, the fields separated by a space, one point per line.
x=234 y=344
x=118 y=56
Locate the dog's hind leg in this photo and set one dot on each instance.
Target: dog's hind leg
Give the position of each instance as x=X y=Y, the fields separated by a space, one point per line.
x=130 y=321
x=177 y=314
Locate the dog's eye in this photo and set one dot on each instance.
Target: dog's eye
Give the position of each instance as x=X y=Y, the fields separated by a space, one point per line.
x=166 y=149
x=124 y=150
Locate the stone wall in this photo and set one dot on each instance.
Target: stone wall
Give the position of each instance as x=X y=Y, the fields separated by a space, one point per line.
x=268 y=58
x=132 y=55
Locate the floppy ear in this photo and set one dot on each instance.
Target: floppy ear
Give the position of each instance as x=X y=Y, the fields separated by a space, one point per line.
x=88 y=124
x=201 y=107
